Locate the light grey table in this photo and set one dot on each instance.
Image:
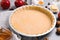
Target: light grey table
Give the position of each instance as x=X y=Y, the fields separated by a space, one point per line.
x=4 y=17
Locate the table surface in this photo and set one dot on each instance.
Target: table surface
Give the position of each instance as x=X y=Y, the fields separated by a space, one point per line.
x=4 y=17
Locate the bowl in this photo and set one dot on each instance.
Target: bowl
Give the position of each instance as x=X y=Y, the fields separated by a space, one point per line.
x=40 y=8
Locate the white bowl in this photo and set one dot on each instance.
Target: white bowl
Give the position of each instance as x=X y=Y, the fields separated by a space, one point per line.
x=39 y=8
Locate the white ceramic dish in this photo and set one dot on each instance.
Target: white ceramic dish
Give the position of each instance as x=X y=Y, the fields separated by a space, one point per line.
x=39 y=8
